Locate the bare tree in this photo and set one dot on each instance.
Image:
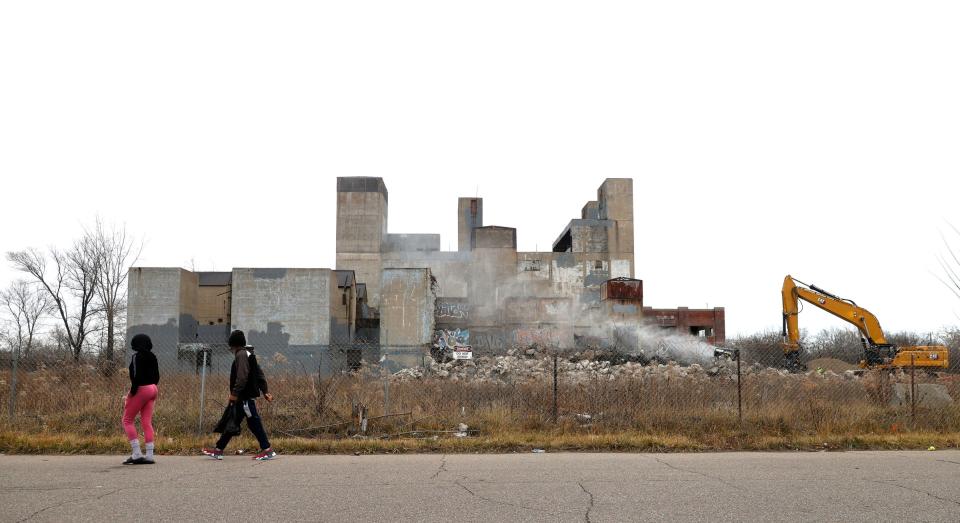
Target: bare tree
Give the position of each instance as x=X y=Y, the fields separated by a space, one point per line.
x=116 y=251
x=26 y=305
x=71 y=285
x=950 y=261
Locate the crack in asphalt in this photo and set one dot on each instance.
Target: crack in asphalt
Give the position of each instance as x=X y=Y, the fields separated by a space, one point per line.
x=948 y=461
x=918 y=491
x=499 y=502
x=443 y=467
x=708 y=476
x=586 y=516
x=67 y=502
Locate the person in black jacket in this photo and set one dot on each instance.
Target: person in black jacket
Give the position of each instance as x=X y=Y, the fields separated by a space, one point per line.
x=247 y=381
x=144 y=376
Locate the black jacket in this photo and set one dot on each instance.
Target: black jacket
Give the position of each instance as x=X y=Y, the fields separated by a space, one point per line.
x=143 y=370
x=246 y=377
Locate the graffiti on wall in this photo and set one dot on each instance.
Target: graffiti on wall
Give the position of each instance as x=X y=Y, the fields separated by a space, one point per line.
x=489 y=340
x=527 y=337
x=451 y=344
x=451 y=310
x=451 y=339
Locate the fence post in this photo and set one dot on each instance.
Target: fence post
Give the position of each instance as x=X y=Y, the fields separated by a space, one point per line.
x=913 y=392
x=386 y=395
x=555 y=410
x=739 y=392
x=13 y=383
x=203 y=383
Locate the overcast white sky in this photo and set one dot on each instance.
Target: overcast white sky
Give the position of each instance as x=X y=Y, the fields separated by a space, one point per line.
x=818 y=138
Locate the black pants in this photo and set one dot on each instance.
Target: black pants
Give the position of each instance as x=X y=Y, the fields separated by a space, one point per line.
x=249 y=409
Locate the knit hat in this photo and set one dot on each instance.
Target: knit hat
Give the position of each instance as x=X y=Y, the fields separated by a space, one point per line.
x=141 y=342
x=237 y=339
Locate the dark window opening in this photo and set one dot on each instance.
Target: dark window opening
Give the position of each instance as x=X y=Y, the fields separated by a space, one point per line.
x=354 y=359
x=598 y=265
x=701 y=332
x=564 y=244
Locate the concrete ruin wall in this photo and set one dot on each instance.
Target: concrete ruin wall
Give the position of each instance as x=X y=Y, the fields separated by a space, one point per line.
x=406 y=308
x=283 y=308
x=707 y=323
x=343 y=307
x=407 y=323
x=162 y=304
x=475 y=283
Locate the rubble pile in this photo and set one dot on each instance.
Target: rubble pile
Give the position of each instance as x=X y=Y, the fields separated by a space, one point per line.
x=535 y=365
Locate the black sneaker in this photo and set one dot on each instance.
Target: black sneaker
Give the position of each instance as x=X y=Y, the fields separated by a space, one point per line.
x=129 y=461
x=143 y=461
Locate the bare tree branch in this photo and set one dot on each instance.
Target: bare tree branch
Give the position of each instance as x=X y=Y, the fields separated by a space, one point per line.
x=26 y=305
x=115 y=251
x=950 y=265
x=71 y=288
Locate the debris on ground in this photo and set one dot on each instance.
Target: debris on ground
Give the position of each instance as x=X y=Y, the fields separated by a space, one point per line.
x=581 y=367
x=831 y=364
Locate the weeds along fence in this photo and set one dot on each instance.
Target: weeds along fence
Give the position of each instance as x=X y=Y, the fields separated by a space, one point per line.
x=359 y=389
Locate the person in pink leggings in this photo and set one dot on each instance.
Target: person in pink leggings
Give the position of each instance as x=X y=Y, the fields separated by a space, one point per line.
x=144 y=376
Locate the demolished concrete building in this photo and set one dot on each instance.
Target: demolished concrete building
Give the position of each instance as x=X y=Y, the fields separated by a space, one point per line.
x=396 y=296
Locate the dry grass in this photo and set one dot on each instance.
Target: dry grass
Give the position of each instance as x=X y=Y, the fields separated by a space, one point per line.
x=20 y=443
x=75 y=410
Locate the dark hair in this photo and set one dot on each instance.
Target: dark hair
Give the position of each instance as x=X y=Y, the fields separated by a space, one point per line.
x=237 y=339
x=141 y=342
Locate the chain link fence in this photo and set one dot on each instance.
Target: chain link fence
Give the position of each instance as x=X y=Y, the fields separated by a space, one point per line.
x=356 y=388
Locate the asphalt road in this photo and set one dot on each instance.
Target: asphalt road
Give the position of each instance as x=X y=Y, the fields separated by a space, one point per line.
x=850 y=486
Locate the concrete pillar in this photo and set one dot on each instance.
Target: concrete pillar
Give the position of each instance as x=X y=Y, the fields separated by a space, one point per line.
x=615 y=202
x=469 y=217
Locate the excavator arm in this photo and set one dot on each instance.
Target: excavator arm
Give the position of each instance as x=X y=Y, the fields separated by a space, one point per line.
x=877 y=352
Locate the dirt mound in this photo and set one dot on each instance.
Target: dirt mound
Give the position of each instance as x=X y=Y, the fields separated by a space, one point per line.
x=831 y=364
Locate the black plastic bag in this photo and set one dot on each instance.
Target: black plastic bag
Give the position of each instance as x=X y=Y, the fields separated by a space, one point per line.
x=230 y=420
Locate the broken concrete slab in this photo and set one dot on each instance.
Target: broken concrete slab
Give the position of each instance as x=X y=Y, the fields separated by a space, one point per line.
x=929 y=395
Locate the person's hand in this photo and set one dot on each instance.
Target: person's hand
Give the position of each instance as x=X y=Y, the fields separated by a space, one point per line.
x=232 y=398
x=268 y=397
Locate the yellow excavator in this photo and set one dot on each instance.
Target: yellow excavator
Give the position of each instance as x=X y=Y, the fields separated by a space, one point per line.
x=877 y=353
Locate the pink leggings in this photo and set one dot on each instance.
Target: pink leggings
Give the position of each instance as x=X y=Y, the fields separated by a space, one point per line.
x=140 y=403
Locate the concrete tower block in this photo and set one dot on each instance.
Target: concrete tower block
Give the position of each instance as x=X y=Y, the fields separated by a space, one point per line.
x=615 y=199
x=469 y=217
x=362 y=230
x=615 y=202
x=361 y=214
